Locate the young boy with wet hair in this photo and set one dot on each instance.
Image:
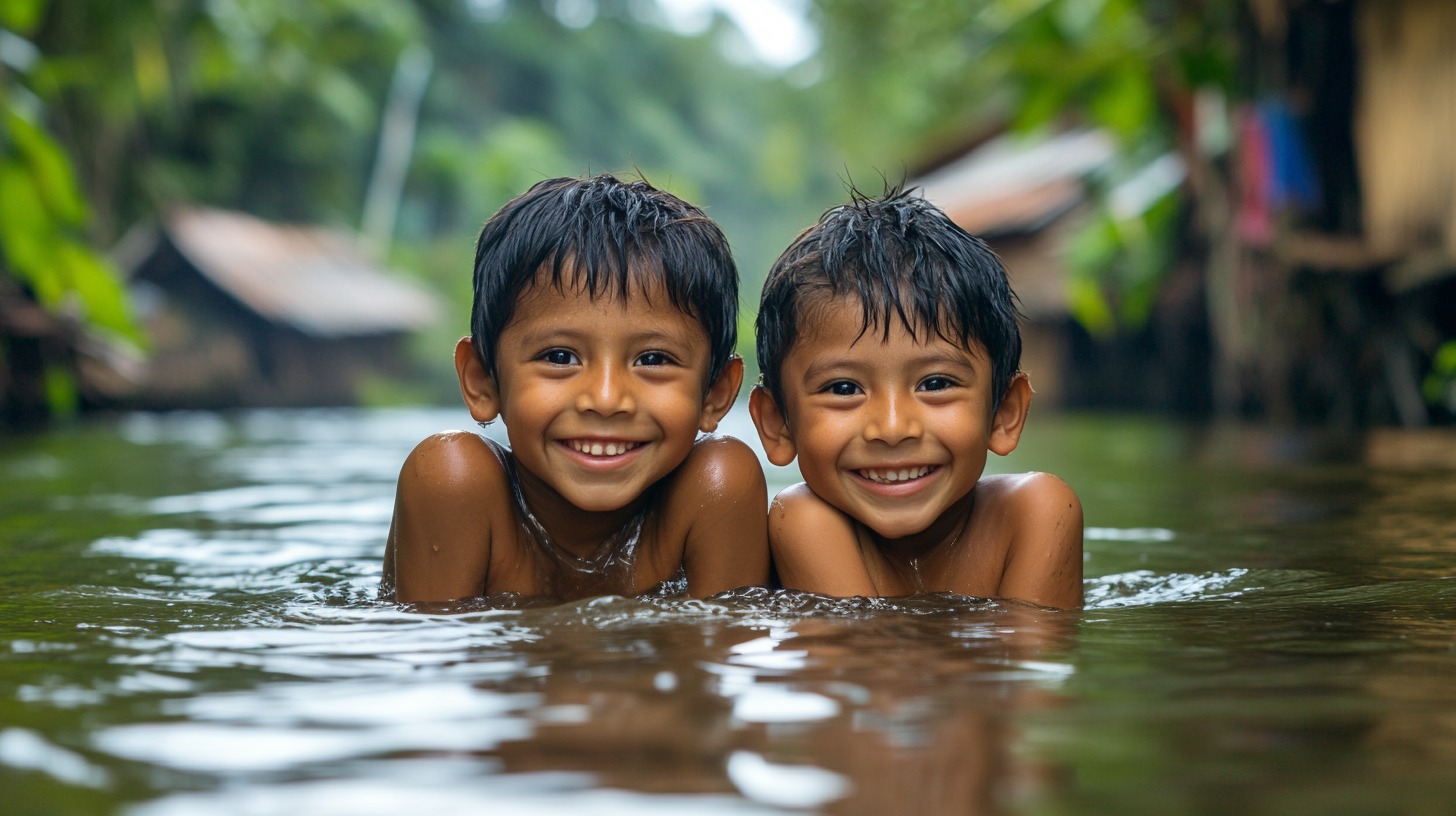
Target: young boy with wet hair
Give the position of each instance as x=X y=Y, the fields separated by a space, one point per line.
x=602 y=335
x=889 y=348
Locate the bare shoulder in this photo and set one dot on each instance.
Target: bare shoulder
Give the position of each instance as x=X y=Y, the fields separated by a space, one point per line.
x=1044 y=528
x=719 y=467
x=451 y=488
x=454 y=472
x=814 y=545
x=443 y=459
x=714 y=504
x=797 y=514
x=720 y=478
x=1033 y=494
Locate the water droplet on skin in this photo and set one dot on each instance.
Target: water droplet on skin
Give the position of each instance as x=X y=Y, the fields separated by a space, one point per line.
x=915 y=574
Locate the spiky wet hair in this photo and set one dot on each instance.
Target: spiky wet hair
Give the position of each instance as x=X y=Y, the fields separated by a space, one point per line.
x=902 y=259
x=604 y=237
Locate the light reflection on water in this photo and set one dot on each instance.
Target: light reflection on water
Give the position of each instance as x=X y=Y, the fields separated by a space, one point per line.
x=190 y=626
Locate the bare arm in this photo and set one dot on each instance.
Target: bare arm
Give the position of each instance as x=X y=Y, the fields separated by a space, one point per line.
x=439 y=539
x=814 y=546
x=1044 y=561
x=727 y=539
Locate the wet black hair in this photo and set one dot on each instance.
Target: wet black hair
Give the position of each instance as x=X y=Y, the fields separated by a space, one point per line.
x=604 y=235
x=902 y=258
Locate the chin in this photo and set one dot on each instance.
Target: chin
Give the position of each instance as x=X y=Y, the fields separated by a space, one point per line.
x=891 y=530
x=612 y=498
x=598 y=505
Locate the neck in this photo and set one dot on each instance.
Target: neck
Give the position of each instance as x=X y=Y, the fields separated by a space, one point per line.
x=909 y=552
x=578 y=533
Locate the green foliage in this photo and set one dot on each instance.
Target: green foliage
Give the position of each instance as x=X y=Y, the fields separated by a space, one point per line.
x=262 y=105
x=43 y=216
x=273 y=107
x=1439 y=387
x=21 y=16
x=1093 y=56
x=1117 y=262
x=519 y=96
x=482 y=173
x=1121 y=65
x=164 y=102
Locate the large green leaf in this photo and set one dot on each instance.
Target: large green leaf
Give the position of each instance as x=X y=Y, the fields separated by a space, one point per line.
x=97 y=286
x=39 y=207
x=49 y=169
x=27 y=233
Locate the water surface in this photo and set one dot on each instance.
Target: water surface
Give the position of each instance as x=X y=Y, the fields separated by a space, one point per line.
x=188 y=624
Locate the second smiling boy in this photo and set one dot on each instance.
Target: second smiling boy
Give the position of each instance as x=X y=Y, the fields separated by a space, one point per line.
x=889 y=348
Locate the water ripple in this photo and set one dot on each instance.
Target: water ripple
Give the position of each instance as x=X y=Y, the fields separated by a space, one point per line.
x=1146 y=588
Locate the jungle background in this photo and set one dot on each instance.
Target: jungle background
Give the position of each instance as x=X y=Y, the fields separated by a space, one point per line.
x=1270 y=236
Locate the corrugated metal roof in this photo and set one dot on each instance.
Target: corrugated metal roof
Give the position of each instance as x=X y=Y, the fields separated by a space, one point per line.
x=316 y=280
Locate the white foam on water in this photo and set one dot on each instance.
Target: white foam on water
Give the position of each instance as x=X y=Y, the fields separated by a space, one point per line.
x=1145 y=588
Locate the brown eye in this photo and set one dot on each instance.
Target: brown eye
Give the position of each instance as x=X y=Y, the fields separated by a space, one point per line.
x=560 y=357
x=936 y=384
x=843 y=388
x=654 y=358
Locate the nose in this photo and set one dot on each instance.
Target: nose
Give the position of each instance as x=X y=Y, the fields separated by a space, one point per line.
x=893 y=418
x=605 y=390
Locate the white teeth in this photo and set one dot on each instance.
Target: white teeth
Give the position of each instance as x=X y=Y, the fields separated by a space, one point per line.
x=892 y=476
x=603 y=449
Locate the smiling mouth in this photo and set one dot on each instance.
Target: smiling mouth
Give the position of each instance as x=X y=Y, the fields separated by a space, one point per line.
x=602 y=448
x=895 y=475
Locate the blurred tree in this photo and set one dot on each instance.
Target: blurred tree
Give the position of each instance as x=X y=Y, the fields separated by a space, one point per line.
x=524 y=90
x=114 y=110
x=273 y=107
x=1129 y=66
x=264 y=105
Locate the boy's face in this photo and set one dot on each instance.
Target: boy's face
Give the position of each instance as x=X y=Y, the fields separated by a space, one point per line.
x=891 y=432
x=602 y=398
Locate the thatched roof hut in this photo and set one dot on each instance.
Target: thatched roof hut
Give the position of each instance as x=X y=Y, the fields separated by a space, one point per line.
x=245 y=312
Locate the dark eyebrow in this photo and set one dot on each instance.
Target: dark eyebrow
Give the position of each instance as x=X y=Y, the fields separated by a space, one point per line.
x=961 y=358
x=819 y=369
x=661 y=335
x=571 y=334
x=554 y=333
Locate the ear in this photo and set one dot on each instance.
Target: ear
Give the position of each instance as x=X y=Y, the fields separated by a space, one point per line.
x=477 y=386
x=773 y=429
x=722 y=394
x=1010 y=416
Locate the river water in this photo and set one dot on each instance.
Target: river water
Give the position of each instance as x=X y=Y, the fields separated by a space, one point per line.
x=188 y=625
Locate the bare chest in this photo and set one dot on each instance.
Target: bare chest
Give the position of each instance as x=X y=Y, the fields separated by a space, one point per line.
x=526 y=561
x=972 y=564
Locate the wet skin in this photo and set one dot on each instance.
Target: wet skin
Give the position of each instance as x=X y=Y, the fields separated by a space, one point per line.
x=891 y=435
x=602 y=400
